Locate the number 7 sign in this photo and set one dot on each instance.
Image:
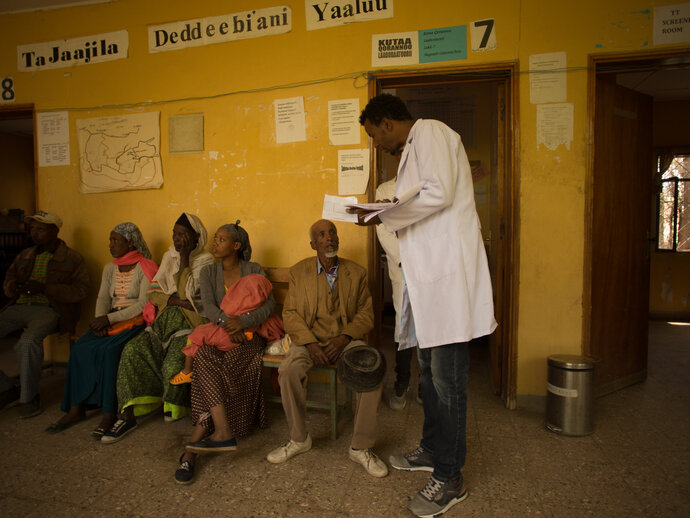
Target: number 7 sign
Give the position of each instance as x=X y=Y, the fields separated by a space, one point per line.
x=483 y=35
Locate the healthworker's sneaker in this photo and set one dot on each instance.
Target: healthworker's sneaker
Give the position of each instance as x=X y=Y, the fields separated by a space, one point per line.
x=398 y=399
x=289 y=450
x=415 y=460
x=367 y=458
x=30 y=409
x=121 y=428
x=437 y=497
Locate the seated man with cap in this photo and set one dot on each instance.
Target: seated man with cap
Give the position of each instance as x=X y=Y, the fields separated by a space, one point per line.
x=45 y=283
x=328 y=310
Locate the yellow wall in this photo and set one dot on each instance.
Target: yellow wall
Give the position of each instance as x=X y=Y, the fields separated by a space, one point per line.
x=669 y=289
x=17 y=173
x=277 y=190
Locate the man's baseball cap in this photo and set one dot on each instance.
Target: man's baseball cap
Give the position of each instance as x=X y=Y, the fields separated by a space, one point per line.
x=43 y=216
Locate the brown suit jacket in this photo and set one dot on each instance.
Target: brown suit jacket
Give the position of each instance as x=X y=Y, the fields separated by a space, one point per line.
x=299 y=310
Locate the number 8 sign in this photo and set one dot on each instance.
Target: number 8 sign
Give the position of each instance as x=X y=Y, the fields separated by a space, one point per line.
x=7 y=90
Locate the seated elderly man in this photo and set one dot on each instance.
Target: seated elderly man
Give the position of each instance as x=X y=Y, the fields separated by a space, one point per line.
x=328 y=310
x=45 y=283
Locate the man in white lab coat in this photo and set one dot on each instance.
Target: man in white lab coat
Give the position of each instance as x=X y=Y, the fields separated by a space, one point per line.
x=447 y=295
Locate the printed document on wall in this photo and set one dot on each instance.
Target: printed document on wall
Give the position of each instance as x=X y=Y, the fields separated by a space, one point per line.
x=120 y=153
x=547 y=78
x=343 y=122
x=290 y=123
x=555 y=125
x=353 y=171
x=53 y=138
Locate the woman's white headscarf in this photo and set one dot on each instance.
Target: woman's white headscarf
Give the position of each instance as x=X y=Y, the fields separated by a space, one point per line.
x=198 y=258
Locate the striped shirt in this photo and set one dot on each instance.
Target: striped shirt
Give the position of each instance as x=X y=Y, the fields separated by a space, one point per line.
x=38 y=274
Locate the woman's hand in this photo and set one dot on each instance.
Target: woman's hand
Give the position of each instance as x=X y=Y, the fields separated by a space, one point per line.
x=238 y=338
x=174 y=300
x=233 y=325
x=99 y=323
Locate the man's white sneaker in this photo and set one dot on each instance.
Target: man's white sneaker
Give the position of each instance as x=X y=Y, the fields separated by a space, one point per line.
x=289 y=450
x=367 y=458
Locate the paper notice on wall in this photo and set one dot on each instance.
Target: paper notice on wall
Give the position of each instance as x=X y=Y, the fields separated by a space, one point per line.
x=672 y=24
x=353 y=171
x=555 y=125
x=321 y=15
x=290 y=123
x=85 y=50
x=547 y=78
x=53 y=138
x=343 y=122
x=395 y=49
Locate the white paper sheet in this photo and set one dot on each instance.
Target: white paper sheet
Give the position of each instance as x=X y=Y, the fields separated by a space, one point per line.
x=547 y=78
x=380 y=207
x=53 y=138
x=555 y=125
x=334 y=208
x=353 y=171
x=290 y=124
x=343 y=122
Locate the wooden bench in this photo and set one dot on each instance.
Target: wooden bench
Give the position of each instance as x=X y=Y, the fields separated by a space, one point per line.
x=279 y=277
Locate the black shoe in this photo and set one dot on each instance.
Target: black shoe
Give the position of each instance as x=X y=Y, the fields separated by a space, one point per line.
x=185 y=472
x=209 y=445
x=30 y=409
x=9 y=396
x=121 y=428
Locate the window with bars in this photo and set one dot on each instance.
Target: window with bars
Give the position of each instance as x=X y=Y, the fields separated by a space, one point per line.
x=674 y=203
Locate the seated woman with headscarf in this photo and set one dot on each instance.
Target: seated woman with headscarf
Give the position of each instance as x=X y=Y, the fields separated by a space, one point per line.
x=227 y=400
x=93 y=360
x=153 y=357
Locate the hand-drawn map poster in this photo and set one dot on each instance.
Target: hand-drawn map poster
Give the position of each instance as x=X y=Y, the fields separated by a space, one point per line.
x=120 y=153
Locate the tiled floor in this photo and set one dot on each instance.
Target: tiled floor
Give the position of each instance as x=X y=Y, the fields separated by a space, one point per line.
x=637 y=463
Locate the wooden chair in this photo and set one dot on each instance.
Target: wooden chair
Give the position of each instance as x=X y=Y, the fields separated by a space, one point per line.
x=279 y=277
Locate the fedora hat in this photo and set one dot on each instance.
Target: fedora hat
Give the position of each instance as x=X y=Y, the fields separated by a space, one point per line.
x=362 y=368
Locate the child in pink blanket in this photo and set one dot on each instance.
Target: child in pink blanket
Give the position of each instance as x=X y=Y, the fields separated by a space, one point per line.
x=247 y=294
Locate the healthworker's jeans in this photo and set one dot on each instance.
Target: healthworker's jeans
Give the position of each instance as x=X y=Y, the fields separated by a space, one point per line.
x=37 y=322
x=443 y=379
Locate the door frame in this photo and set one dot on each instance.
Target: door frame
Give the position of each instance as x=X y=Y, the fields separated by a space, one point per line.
x=509 y=264
x=25 y=111
x=620 y=62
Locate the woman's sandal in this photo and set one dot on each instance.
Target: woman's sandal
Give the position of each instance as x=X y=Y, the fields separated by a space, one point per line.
x=59 y=427
x=98 y=433
x=181 y=378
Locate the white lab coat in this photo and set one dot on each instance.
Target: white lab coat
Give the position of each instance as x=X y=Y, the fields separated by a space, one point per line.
x=389 y=242
x=442 y=253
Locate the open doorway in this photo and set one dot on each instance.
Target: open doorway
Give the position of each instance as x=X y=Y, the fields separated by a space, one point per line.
x=638 y=105
x=17 y=182
x=479 y=105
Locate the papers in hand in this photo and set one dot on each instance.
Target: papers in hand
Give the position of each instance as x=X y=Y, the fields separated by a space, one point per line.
x=377 y=208
x=334 y=208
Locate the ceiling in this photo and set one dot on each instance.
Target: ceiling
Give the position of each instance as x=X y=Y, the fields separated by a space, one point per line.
x=19 y=6
x=662 y=85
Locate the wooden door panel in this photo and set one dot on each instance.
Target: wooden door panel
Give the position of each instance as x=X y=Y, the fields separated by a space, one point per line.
x=622 y=186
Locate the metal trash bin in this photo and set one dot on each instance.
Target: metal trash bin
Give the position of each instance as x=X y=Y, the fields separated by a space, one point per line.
x=570 y=395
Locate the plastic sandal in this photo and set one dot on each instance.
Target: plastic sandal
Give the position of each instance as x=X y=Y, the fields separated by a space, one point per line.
x=181 y=378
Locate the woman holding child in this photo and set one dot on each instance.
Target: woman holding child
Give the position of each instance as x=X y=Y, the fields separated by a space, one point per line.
x=227 y=399
x=94 y=358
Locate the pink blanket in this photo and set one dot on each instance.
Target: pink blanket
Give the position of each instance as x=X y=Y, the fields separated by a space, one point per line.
x=244 y=296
